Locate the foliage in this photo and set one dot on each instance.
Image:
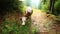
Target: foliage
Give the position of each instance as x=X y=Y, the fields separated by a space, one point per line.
x=11 y=27
x=44 y=5
x=11 y=6
x=57 y=7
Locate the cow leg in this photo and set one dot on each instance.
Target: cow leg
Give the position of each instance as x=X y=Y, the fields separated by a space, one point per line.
x=23 y=20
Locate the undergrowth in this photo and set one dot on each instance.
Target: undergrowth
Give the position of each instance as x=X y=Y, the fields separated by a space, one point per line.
x=12 y=27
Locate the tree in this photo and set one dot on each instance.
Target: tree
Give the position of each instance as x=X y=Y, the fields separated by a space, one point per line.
x=44 y=5
x=52 y=5
x=10 y=6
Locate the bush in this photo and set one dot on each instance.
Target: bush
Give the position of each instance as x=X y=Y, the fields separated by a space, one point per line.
x=57 y=7
x=12 y=27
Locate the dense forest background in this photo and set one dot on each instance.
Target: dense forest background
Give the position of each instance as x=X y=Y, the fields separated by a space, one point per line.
x=50 y=6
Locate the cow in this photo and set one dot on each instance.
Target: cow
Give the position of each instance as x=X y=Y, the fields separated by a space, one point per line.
x=28 y=14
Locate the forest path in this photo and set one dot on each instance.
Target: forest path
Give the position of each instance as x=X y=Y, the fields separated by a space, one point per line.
x=41 y=21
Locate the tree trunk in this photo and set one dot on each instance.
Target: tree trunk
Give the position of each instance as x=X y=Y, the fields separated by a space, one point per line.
x=52 y=5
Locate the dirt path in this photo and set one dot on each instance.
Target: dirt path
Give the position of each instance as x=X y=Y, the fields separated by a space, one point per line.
x=41 y=21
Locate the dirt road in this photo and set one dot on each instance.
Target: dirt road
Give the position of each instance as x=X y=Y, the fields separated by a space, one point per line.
x=41 y=21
